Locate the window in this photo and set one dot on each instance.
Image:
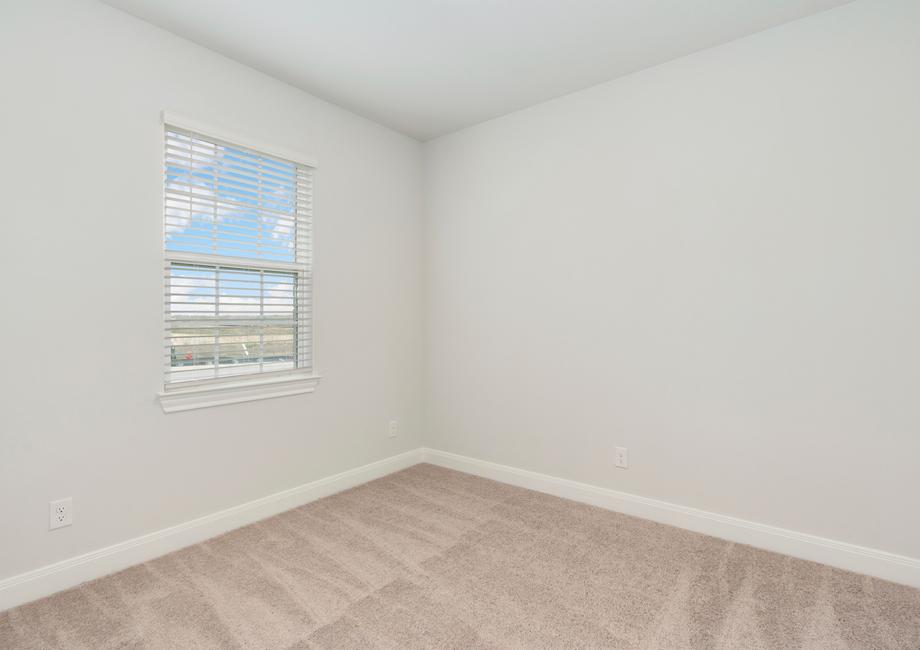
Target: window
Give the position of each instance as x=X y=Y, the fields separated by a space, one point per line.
x=238 y=274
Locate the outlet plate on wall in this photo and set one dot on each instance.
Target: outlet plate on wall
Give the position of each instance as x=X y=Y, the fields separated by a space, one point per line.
x=60 y=513
x=622 y=457
x=393 y=429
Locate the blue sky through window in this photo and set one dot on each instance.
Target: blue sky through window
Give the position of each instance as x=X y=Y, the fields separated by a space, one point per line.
x=229 y=201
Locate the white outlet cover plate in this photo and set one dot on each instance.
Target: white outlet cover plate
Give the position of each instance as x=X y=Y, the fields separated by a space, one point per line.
x=60 y=513
x=622 y=457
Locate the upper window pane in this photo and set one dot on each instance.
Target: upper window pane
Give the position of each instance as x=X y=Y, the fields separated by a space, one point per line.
x=227 y=200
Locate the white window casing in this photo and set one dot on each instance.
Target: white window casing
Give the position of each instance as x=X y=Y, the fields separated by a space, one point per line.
x=238 y=273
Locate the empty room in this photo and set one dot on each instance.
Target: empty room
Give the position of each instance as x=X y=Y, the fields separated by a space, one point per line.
x=460 y=324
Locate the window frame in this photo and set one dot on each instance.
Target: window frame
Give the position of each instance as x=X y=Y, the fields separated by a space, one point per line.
x=206 y=392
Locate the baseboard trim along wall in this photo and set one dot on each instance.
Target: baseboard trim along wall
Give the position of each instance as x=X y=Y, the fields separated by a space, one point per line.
x=859 y=559
x=56 y=577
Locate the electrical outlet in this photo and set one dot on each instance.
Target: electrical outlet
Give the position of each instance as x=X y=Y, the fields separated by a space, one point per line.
x=393 y=429
x=60 y=513
x=622 y=457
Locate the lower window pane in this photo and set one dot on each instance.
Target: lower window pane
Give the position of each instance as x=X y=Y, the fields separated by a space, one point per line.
x=226 y=322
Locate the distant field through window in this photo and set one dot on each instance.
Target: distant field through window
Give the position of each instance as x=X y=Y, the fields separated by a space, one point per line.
x=238 y=261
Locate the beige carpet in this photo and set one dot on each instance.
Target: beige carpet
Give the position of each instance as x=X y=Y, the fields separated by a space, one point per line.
x=438 y=559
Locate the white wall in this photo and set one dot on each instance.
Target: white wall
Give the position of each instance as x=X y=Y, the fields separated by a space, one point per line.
x=713 y=263
x=81 y=178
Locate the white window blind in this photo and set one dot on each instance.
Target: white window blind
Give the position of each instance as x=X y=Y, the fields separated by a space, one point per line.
x=238 y=239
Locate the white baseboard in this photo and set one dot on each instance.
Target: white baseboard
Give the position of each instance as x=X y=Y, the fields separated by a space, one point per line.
x=50 y=579
x=859 y=559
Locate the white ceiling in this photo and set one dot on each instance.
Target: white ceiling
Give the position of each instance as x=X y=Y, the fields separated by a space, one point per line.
x=428 y=67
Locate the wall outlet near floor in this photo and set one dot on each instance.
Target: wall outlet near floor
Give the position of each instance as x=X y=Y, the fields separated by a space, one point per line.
x=622 y=457
x=393 y=429
x=60 y=513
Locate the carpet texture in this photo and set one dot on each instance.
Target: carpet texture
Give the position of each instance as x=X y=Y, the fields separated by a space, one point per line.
x=432 y=558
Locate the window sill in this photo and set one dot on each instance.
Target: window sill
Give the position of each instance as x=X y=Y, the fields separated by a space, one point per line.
x=186 y=398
